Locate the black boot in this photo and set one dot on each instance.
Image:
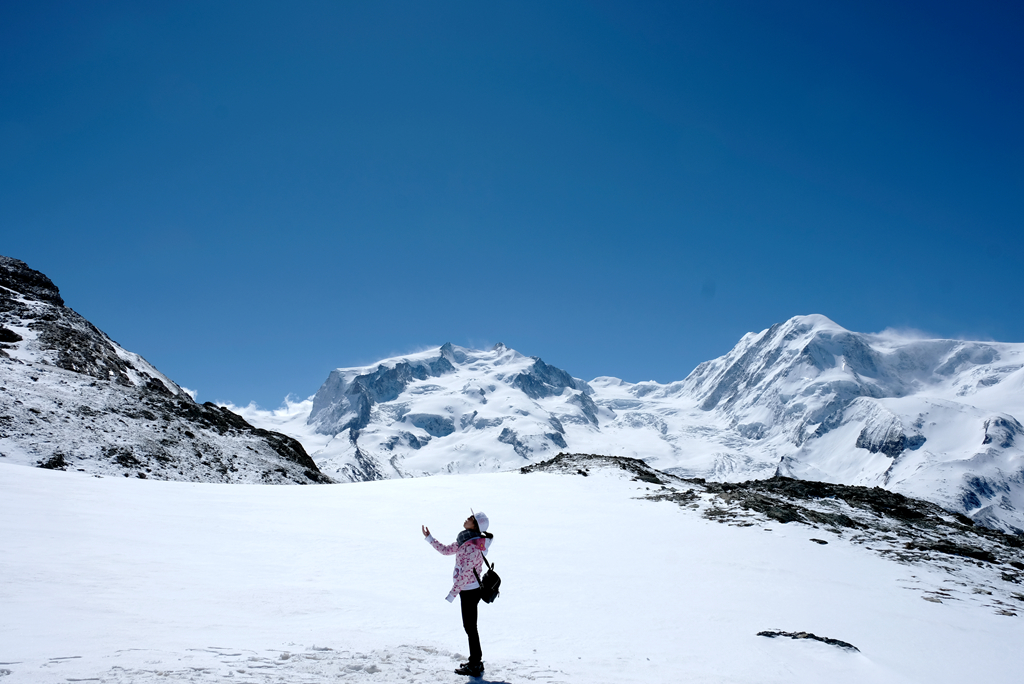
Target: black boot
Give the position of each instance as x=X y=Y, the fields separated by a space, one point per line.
x=470 y=669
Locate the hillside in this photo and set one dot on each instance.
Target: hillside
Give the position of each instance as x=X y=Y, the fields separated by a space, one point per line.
x=73 y=399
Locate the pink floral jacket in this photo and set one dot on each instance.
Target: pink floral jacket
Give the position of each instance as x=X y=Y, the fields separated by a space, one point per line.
x=468 y=557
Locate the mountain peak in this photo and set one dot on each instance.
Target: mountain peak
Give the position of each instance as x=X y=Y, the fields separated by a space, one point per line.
x=16 y=275
x=813 y=323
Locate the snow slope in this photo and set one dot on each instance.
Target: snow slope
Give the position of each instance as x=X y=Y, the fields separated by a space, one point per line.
x=935 y=419
x=125 y=580
x=70 y=397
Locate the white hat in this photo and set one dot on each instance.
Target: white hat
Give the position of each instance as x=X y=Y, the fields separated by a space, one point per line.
x=481 y=520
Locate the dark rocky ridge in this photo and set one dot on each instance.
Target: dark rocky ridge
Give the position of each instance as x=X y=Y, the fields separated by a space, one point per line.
x=579 y=464
x=771 y=634
x=543 y=380
x=16 y=275
x=72 y=399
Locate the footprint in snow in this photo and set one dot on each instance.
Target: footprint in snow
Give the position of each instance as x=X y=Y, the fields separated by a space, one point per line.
x=405 y=664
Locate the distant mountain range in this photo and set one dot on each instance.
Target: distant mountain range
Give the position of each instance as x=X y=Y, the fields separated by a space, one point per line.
x=73 y=399
x=933 y=419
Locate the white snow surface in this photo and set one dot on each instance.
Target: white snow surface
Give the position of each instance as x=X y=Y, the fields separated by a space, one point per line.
x=122 y=580
x=934 y=419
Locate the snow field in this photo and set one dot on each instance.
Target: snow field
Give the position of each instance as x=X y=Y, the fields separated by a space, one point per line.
x=120 y=580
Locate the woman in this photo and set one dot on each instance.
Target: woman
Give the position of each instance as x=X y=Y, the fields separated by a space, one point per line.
x=469 y=548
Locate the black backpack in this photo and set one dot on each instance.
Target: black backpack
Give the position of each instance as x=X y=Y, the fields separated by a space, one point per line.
x=489 y=583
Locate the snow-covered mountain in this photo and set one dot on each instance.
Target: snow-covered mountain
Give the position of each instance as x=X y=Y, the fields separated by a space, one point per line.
x=446 y=410
x=72 y=398
x=934 y=419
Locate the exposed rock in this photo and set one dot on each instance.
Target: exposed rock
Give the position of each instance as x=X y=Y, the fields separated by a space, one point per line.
x=557 y=439
x=510 y=437
x=807 y=635
x=9 y=335
x=344 y=402
x=586 y=405
x=753 y=431
x=570 y=463
x=1002 y=430
x=888 y=438
x=436 y=426
x=55 y=462
x=17 y=276
x=542 y=380
x=955 y=550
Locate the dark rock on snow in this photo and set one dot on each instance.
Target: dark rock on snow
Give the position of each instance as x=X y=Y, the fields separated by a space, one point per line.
x=771 y=634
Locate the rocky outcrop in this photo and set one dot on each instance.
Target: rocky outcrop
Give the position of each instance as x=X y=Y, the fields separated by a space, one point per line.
x=883 y=436
x=586 y=405
x=542 y=380
x=1001 y=431
x=581 y=464
x=16 y=276
x=345 y=400
x=772 y=633
x=435 y=426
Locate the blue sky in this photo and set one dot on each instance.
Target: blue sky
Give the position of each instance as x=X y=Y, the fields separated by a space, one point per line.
x=251 y=194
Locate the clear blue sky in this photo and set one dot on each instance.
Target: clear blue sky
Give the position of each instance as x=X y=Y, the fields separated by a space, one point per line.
x=251 y=194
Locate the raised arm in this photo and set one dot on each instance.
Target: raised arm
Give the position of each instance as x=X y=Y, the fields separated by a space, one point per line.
x=447 y=550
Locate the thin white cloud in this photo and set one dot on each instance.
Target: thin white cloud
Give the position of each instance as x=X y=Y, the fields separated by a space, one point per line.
x=905 y=334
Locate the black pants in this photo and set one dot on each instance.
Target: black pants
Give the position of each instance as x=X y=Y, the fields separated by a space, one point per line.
x=470 y=601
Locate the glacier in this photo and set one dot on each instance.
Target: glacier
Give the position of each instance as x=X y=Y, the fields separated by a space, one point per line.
x=929 y=418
